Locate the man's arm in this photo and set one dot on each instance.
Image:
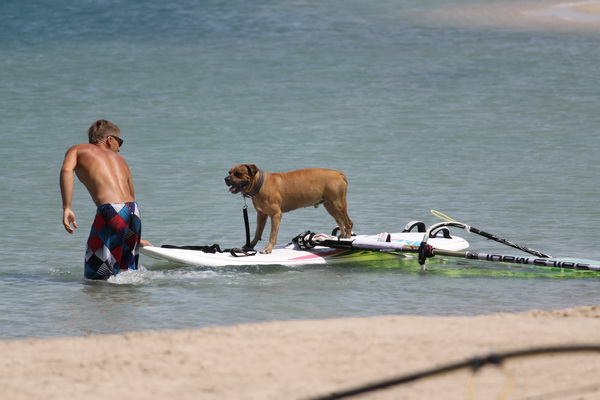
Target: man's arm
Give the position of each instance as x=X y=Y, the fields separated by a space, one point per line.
x=66 y=188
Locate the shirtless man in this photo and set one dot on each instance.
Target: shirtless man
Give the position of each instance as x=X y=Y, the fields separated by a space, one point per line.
x=115 y=237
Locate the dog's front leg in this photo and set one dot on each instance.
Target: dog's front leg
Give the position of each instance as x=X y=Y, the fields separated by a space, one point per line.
x=261 y=221
x=275 y=222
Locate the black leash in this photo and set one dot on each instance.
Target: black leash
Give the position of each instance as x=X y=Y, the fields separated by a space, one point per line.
x=245 y=251
x=246 y=225
x=212 y=249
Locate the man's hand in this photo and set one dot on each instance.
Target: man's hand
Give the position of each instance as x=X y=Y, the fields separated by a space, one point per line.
x=68 y=219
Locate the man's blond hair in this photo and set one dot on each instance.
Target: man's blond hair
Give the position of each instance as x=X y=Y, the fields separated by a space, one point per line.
x=101 y=129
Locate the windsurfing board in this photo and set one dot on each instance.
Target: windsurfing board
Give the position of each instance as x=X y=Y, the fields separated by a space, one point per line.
x=292 y=255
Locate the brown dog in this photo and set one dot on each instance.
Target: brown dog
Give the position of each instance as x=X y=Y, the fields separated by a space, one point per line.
x=276 y=193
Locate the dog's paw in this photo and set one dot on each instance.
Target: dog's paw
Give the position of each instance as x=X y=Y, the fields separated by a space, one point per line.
x=266 y=250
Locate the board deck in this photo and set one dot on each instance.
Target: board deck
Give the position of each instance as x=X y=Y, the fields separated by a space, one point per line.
x=291 y=255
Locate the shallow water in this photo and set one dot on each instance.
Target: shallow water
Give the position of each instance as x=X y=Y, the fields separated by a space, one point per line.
x=495 y=126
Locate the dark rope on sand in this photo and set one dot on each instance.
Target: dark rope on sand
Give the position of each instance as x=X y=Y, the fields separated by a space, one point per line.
x=474 y=363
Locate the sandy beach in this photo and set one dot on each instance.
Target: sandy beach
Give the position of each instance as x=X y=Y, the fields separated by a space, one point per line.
x=306 y=359
x=530 y=15
x=590 y=7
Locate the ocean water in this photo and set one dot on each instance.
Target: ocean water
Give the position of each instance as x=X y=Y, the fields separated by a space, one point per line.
x=496 y=125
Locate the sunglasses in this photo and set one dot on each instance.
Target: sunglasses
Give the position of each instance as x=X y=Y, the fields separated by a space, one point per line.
x=118 y=139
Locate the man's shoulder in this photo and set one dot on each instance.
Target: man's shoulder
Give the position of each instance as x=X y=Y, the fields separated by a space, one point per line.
x=81 y=147
x=88 y=152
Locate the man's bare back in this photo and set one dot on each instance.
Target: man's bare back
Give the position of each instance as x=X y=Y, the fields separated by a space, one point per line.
x=104 y=173
x=102 y=170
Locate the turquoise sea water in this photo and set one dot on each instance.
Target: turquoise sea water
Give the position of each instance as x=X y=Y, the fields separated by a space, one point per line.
x=497 y=126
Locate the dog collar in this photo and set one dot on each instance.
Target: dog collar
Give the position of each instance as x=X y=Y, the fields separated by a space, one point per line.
x=261 y=180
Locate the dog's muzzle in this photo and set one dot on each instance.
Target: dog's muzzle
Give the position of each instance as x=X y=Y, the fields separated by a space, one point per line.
x=235 y=187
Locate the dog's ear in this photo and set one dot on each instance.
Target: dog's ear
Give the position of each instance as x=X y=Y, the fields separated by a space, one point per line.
x=252 y=169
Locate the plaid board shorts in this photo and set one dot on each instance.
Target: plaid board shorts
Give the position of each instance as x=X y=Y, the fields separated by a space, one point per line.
x=114 y=240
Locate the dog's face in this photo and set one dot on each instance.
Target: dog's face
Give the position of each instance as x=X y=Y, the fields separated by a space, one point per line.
x=241 y=177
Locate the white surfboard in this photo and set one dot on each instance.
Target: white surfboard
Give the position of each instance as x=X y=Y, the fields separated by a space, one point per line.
x=292 y=255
